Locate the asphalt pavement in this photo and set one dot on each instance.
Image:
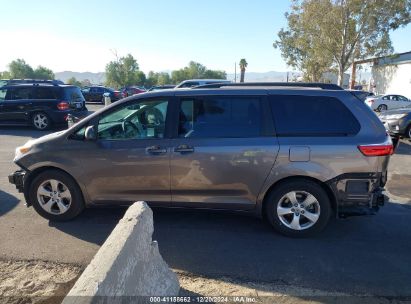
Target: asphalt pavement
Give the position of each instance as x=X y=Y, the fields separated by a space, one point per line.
x=361 y=255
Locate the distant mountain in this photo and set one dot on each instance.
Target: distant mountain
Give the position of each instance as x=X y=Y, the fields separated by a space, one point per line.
x=95 y=78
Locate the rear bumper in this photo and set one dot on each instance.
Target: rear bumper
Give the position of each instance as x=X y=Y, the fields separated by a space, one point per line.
x=59 y=117
x=359 y=193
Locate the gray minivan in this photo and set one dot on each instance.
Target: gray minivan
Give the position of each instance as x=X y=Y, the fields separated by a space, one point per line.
x=292 y=153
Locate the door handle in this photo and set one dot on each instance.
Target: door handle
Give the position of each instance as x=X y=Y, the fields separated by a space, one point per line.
x=184 y=149
x=156 y=150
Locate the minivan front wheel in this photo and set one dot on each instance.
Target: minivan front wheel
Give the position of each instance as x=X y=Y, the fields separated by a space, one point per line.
x=40 y=121
x=382 y=107
x=56 y=196
x=298 y=208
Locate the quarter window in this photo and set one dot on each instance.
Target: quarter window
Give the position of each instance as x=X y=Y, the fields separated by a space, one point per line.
x=46 y=93
x=296 y=115
x=207 y=117
x=143 y=119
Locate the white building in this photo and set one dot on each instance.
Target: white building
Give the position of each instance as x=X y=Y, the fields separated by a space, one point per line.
x=392 y=75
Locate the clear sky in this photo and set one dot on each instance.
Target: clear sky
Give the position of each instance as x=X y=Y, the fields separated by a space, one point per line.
x=161 y=34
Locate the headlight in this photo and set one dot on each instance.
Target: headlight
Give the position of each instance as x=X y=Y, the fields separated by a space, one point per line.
x=394 y=116
x=20 y=151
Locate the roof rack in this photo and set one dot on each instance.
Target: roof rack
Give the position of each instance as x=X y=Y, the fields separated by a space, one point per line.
x=35 y=81
x=323 y=86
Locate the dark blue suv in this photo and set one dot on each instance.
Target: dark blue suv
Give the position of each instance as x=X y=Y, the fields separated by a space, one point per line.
x=40 y=105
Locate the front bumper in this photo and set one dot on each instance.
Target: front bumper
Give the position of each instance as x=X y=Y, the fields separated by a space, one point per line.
x=17 y=179
x=396 y=126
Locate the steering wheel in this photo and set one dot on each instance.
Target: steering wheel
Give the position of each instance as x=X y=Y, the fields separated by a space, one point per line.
x=125 y=126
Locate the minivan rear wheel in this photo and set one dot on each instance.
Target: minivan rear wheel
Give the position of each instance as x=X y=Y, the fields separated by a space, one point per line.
x=41 y=121
x=56 y=196
x=298 y=208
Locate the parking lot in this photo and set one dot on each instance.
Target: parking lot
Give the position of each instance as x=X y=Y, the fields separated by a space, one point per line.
x=358 y=255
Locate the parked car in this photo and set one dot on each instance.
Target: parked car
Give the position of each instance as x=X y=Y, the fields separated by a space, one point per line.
x=40 y=105
x=4 y=82
x=96 y=94
x=162 y=87
x=397 y=122
x=197 y=82
x=387 y=102
x=217 y=148
x=132 y=90
x=361 y=95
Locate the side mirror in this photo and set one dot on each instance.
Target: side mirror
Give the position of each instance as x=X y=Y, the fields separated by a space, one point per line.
x=90 y=133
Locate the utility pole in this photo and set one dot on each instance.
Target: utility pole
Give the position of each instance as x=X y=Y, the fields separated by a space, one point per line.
x=287 y=76
x=235 y=71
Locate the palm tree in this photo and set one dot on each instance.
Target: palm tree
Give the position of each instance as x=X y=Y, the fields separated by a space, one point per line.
x=243 y=65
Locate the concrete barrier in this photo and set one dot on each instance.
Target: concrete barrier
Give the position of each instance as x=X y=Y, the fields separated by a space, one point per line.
x=128 y=264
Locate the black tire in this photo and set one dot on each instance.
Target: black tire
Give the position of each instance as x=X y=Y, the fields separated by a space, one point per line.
x=408 y=132
x=41 y=121
x=76 y=203
x=275 y=197
x=382 y=107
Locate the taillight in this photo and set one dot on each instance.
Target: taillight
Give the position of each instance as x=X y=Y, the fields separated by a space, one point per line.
x=377 y=150
x=63 y=105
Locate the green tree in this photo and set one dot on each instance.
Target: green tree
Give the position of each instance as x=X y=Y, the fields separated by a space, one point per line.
x=124 y=71
x=20 y=69
x=5 y=75
x=161 y=78
x=85 y=83
x=195 y=70
x=140 y=78
x=42 y=72
x=243 y=66
x=73 y=81
x=328 y=35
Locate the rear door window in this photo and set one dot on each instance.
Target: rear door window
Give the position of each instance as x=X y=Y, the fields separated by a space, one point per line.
x=19 y=93
x=214 y=116
x=296 y=115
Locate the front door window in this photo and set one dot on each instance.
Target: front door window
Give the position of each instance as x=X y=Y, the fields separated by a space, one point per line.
x=143 y=119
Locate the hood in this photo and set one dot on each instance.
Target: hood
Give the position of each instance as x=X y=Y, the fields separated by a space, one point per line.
x=45 y=138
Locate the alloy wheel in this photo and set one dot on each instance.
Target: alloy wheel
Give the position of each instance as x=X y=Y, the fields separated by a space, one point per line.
x=54 y=197
x=298 y=210
x=40 y=121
